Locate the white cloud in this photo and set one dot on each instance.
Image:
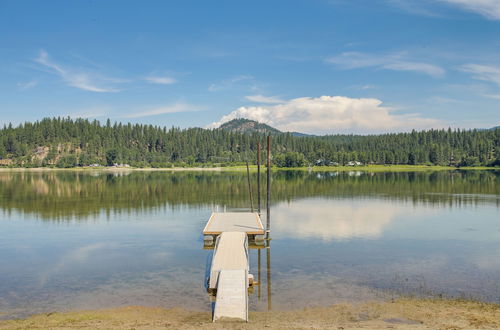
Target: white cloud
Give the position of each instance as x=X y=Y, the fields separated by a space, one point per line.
x=493 y=96
x=161 y=80
x=483 y=72
x=230 y=83
x=264 y=99
x=174 y=108
x=331 y=114
x=488 y=8
x=27 y=85
x=395 y=62
x=77 y=78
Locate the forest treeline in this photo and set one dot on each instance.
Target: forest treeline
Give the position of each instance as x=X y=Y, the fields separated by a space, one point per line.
x=65 y=142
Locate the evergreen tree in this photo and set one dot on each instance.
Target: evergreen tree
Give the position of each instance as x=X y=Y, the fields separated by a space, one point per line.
x=146 y=145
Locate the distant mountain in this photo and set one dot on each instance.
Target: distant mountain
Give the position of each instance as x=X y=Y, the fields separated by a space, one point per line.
x=248 y=126
x=488 y=129
x=298 y=134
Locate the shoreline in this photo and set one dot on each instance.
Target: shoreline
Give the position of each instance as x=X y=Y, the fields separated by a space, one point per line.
x=253 y=168
x=404 y=313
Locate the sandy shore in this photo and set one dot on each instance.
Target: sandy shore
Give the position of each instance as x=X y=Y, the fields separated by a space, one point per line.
x=399 y=314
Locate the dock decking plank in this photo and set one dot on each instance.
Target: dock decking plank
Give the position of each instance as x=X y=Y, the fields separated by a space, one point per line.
x=247 y=222
x=232 y=300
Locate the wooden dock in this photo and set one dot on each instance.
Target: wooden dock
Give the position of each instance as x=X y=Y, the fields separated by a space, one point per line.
x=230 y=253
x=229 y=278
x=232 y=296
x=229 y=272
x=246 y=222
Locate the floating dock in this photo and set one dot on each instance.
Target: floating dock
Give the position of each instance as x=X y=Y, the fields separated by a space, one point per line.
x=246 y=222
x=229 y=278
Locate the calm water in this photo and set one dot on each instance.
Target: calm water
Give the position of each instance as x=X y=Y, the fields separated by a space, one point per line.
x=72 y=240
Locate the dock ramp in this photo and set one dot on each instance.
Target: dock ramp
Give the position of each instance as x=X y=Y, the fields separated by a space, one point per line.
x=232 y=297
x=229 y=276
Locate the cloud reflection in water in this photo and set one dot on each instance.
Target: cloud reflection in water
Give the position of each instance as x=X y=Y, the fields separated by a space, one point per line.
x=335 y=219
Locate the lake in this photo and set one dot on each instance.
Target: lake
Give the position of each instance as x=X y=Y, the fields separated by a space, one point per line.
x=87 y=240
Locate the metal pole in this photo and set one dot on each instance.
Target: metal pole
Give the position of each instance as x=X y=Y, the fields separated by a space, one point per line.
x=258 y=176
x=249 y=188
x=268 y=226
x=258 y=273
x=269 y=301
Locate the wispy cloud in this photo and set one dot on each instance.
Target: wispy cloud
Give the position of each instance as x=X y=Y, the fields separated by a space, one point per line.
x=160 y=80
x=174 y=108
x=264 y=99
x=487 y=73
x=230 y=83
x=395 y=62
x=487 y=8
x=435 y=8
x=78 y=78
x=417 y=7
x=332 y=114
x=367 y=86
x=492 y=96
x=92 y=112
x=27 y=85
x=444 y=100
x=363 y=87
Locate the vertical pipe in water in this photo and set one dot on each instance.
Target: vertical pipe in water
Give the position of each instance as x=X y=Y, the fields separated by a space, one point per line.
x=269 y=301
x=268 y=215
x=258 y=273
x=258 y=176
x=249 y=188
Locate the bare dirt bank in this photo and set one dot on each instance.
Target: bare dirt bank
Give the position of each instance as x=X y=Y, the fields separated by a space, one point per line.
x=400 y=314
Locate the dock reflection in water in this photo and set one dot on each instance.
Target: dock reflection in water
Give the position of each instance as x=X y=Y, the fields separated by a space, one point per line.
x=76 y=240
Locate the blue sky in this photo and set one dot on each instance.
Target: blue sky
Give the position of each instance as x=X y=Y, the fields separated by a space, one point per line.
x=316 y=66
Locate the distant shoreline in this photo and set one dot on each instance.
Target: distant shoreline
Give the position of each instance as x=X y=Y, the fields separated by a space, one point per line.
x=106 y=169
x=253 y=168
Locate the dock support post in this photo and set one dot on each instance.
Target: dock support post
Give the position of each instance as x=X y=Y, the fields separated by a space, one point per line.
x=269 y=295
x=268 y=215
x=249 y=188
x=259 y=280
x=258 y=176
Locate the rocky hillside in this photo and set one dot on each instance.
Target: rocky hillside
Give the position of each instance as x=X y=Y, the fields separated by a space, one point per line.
x=248 y=126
